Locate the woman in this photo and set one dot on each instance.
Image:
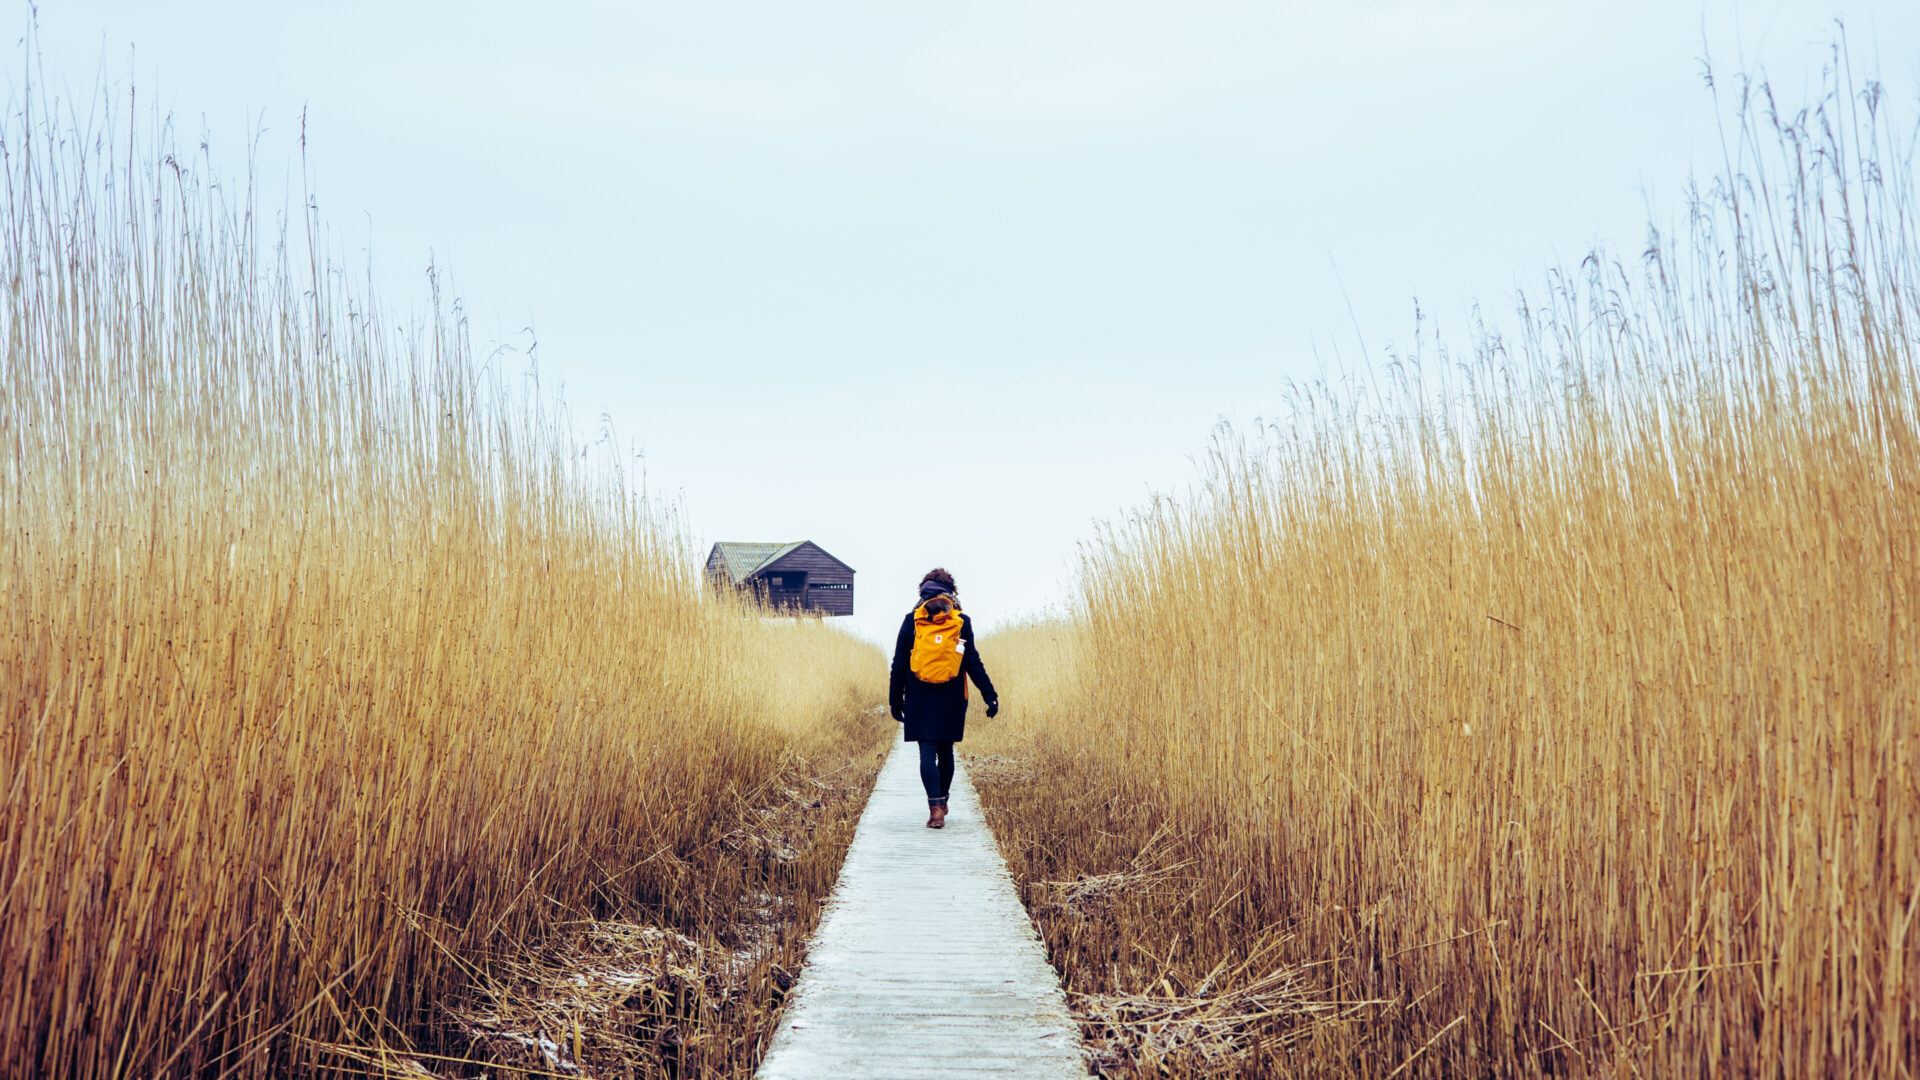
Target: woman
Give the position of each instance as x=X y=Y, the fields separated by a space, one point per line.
x=932 y=660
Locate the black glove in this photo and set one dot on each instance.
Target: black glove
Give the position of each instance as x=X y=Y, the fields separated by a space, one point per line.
x=900 y=713
x=993 y=708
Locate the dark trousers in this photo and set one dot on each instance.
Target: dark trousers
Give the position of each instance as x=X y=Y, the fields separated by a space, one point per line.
x=936 y=770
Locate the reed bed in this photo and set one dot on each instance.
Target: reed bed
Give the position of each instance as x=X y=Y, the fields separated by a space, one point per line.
x=333 y=665
x=1554 y=711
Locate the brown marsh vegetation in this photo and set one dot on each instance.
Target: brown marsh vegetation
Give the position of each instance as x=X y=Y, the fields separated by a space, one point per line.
x=1556 y=713
x=344 y=696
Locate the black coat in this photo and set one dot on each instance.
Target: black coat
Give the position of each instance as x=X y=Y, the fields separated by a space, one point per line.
x=936 y=712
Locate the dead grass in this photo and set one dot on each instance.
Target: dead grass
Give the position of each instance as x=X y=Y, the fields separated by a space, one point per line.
x=612 y=998
x=333 y=668
x=1562 y=701
x=1245 y=1021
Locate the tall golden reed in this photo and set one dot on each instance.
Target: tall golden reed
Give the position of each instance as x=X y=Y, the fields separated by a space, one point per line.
x=1569 y=702
x=328 y=661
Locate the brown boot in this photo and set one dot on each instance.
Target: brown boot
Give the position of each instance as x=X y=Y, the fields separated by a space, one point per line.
x=936 y=815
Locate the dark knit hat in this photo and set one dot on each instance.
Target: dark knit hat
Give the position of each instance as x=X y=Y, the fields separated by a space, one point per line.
x=931 y=589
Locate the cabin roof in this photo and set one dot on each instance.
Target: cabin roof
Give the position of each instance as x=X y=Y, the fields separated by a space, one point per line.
x=741 y=559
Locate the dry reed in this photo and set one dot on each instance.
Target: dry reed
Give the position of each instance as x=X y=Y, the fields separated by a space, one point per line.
x=1566 y=702
x=331 y=665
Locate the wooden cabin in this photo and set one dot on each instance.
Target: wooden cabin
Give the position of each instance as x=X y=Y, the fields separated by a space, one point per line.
x=799 y=576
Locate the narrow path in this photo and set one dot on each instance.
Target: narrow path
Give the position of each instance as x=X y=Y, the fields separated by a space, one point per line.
x=925 y=964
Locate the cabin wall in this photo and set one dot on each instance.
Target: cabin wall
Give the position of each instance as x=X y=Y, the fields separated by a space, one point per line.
x=829 y=585
x=830 y=601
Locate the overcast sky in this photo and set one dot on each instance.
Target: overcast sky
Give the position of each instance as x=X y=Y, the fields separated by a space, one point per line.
x=950 y=283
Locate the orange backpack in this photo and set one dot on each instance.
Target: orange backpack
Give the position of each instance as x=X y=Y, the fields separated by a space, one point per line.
x=937 y=648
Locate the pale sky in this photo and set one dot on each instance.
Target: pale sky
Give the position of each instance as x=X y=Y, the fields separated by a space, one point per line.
x=948 y=284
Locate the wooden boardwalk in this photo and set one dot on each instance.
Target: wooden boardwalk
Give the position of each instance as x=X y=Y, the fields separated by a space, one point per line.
x=925 y=964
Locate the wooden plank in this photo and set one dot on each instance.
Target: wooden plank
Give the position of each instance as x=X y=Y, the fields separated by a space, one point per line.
x=925 y=963
x=832 y=603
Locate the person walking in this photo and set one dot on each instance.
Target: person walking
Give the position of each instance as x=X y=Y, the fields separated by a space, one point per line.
x=933 y=658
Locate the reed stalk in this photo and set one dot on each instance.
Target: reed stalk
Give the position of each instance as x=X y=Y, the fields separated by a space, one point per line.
x=1562 y=698
x=332 y=662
